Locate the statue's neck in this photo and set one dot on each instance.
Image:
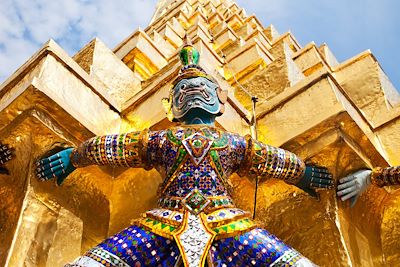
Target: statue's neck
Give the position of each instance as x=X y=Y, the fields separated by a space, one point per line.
x=210 y=121
x=198 y=117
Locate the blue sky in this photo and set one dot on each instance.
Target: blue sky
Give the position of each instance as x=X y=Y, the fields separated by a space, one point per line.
x=348 y=27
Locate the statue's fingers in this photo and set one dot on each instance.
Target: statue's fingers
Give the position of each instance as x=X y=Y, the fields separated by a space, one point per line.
x=50 y=165
x=4 y=154
x=322 y=175
x=7 y=150
x=54 y=157
x=328 y=180
x=318 y=185
x=42 y=162
x=346 y=197
x=316 y=171
x=327 y=175
x=41 y=177
x=321 y=181
x=325 y=181
x=51 y=161
x=347 y=184
x=42 y=167
x=347 y=190
x=47 y=176
x=49 y=173
x=323 y=170
x=44 y=175
x=318 y=168
x=347 y=179
x=5 y=159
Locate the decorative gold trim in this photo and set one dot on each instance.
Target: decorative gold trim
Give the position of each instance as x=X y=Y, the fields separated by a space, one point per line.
x=177 y=240
x=212 y=209
x=157 y=232
x=167 y=234
x=216 y=224
x=163 y=220
x=236 y=233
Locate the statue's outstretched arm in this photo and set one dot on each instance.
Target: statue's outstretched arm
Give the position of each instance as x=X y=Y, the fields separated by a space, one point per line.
x=353 y=185
x=264 y=161
x=6 y=154
x=386 y=176
x=126 y=150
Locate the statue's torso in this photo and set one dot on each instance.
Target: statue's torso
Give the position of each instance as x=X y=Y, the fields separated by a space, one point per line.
x=191 y=158
x=196 y=163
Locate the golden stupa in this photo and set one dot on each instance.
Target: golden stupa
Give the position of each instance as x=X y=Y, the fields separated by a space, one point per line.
x=344 y=115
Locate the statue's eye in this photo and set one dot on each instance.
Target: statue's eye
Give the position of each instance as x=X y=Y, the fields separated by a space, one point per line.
x=183 y=86
x=202 y=84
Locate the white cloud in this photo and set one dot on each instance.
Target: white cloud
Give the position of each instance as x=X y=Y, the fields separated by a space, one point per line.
x=26 y=25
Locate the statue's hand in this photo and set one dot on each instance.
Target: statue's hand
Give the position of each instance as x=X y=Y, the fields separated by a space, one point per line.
x=56 y=166
x=315 y=177
x=353 y=185
x=5 y=155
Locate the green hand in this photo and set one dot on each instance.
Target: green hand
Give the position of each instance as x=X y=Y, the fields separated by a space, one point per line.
x=315 y=177
x=56 y=166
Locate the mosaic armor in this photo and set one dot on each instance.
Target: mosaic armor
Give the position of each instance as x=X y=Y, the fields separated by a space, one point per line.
x=386 y=176
x=196 y=221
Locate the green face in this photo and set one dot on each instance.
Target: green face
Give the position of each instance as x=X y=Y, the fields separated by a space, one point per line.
x=195 y=95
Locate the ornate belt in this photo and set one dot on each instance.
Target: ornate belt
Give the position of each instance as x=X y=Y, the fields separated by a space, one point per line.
x=205 y=203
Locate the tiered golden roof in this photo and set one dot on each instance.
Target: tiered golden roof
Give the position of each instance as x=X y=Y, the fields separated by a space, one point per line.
x=344 y=115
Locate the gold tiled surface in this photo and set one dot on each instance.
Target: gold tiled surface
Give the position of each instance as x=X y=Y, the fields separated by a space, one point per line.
x=343 y=115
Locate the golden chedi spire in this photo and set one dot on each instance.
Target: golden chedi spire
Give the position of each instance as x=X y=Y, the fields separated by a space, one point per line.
x=344 y=115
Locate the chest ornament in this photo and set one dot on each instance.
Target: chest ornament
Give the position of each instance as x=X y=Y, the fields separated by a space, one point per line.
x=197 y=147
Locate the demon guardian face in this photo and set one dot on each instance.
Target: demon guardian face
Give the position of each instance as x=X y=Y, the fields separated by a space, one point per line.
x=195 y=94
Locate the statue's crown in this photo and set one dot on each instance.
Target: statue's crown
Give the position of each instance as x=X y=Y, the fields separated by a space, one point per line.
x=189 y=55
x=190 y=58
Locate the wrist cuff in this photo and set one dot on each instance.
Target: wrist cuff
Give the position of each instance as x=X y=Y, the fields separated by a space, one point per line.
x=377 y=178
